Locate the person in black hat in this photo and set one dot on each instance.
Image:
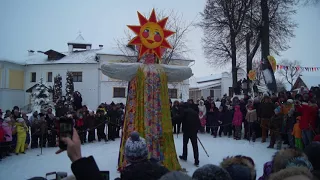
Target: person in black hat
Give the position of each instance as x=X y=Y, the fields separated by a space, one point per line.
x=113 y=116
x=190 y=127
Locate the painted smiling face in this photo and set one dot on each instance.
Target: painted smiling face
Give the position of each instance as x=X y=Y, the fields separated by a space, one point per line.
x=151 y=35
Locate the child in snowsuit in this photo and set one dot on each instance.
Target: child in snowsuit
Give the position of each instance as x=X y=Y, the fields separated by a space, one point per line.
x=275 y=126
x=7 y=127
x=21 y=129
x=297 y=134
x=237 y=122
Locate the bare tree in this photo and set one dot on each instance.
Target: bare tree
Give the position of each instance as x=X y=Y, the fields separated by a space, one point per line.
x=222 y=22
x=178 y=41
x=281 y=85
x=282 y=26
x=289 y=72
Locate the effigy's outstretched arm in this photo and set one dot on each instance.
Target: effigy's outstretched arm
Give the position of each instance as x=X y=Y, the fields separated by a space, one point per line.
x=177 y=73
x=121 y=71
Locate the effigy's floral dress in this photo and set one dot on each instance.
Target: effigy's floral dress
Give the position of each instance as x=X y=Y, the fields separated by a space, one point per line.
x=147 y=107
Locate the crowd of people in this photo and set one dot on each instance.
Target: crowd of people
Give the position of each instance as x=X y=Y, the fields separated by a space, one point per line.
x=291 y=119
x=287 y=118
x=19 y=132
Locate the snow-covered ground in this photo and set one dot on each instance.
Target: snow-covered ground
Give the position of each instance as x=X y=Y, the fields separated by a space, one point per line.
x=106 y=156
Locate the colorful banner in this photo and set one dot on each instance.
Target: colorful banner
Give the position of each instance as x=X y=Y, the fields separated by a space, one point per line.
x=298 y=68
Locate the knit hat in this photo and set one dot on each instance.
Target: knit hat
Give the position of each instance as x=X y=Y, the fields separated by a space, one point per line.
x=299 y=162
x=20 y=120
x=136 y=148
x=239 y=167
x=211 y=172
x=175 y=175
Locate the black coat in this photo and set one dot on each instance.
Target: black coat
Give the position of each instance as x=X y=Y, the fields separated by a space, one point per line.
x=176 y=117
x=143 y=170
x=86 y=168
x=191 y=122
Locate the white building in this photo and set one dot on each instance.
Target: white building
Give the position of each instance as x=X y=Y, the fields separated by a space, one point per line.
x=215 y=85
x=84 y=62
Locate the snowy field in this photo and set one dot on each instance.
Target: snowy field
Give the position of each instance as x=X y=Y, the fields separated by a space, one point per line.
x=106 y=156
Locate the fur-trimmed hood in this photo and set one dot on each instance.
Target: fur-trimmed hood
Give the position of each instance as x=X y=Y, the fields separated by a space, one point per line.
x=239 y=161
x=291 y=172
x=282 y=157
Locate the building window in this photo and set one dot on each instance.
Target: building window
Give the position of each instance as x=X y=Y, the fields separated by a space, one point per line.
x=173 y=93
x=49 y=77
x=77 y=76
x=33 y=77
x=119 y=92
x=212 y=93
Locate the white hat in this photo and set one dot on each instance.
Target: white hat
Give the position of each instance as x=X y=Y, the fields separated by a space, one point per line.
x=20 y=120
x=290 y=101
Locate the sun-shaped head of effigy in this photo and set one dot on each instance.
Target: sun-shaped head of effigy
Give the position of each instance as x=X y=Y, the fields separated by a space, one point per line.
x=151 y=35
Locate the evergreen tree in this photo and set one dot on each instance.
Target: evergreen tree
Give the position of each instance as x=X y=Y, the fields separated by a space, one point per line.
x=69 y=89
x=41 y=97
x=57 y=88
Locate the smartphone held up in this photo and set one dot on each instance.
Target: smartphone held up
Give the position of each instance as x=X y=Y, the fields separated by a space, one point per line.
x=65 y=130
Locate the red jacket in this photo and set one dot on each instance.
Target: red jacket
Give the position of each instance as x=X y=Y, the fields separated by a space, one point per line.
x=308 y=115
x=80 y=122
x=2 y=138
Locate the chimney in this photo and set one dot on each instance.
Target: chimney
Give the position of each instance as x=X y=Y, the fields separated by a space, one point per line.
x=100 y=46
x=70 y=48
x=30 y=52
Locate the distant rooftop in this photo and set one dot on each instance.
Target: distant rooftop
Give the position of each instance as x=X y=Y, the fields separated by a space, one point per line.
x=79 y=40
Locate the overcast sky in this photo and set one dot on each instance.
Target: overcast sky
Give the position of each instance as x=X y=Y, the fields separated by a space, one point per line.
x=44 y=24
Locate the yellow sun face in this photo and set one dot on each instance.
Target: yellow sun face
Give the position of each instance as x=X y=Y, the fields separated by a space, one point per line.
x=151 y=35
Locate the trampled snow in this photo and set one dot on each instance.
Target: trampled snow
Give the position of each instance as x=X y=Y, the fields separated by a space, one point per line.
x=106 y=155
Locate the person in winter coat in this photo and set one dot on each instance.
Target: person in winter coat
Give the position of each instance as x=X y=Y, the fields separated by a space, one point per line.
x=275 y=125
x=28 y=124
x=90 y=124
x=80 y=127
x=312 y=151
x=7 y=127
x=221 y=119
x=228 y=121
x=113 y=116
x=239 y=167
x=266 y=111
x=237 y=122
x=297 y=134
x=190 y=127
x=101 y=124
x=202 y=115
x=2 y=141
x=35 y=129
x=139 y=166
x=251 y=118
x=21 y=129
x=176 y=117
x=309 y=113
x=212 y=116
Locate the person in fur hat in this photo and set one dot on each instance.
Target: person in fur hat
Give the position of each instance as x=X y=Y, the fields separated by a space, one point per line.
x=292 y=173
x=239 y=167
x=282 y=157
x=139 y=166
x=211 y=172
x=175 y=175
x=21 y=129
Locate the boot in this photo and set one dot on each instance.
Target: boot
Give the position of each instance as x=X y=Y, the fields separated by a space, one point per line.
x=254 y=137
x=183 y=158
